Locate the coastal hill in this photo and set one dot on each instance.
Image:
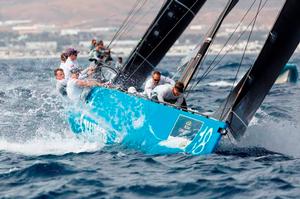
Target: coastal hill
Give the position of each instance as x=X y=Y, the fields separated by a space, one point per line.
x=96 y=13
x=70 y=13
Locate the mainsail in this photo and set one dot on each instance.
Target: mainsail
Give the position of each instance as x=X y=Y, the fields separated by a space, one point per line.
x=193 y=64
x=247 y=96
x=171 y=21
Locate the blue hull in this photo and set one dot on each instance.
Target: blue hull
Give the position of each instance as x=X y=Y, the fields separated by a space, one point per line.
x=113 y=116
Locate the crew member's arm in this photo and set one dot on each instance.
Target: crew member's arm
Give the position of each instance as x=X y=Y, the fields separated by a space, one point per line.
x=168 y=80
x=148 y=88
x=88 y=83
x=161 y=93
x=179 y=101
x=87 y=72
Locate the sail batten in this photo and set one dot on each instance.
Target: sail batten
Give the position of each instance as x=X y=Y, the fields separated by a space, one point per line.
x=184 y=6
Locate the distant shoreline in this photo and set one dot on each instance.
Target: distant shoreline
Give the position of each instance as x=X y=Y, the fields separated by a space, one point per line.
x=168 y=55
x=86 y=56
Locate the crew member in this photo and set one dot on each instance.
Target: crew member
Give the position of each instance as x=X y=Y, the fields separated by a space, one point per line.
x=75 y=85
x=155 y=80
x=61 y=82
x=71 y=62
x=170 y=94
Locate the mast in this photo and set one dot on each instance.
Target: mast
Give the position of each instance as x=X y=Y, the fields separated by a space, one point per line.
x=172 y=19
x=193 y=64
x=247 y=96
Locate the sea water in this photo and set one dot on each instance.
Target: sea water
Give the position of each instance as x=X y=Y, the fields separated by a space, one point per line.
x=41 y=158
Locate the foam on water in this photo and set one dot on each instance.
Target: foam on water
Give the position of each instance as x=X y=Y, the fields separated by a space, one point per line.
x=46 y=143
x=282 y=137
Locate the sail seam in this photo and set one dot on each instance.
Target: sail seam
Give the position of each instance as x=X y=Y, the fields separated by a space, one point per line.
x=145 y=60
x=178 y=2
x=239 y=118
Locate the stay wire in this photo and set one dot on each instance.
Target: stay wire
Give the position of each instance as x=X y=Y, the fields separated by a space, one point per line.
x=206 y=72
x=198 y=70
x=137 y=68
x=128 y=27
x=210 y=67
x=126 y=21
x=241 y=62
x=137 y=21
x=134 y=55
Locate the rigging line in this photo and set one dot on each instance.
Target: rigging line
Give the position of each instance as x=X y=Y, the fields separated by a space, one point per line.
x=145 y=13
x=160 y=42
x=126 y=29
x=192 y=55
x=134 y=53
x=205 y=73
x=131 y=19
x=204 y=58
x=126 y=20
x=198 y=70
x=129 y=27
x=210 y=68
x=230 y=37
x=249 y=37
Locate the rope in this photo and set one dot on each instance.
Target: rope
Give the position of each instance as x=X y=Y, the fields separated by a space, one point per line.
x=126 y=21
x=242 y=59
x=135 y=20
x=137 y=68
x=198 y=70
x=130 y=27
x=210 y=67
x=208 y=70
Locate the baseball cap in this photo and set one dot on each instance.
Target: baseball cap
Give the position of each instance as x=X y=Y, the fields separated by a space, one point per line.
x=71 y=51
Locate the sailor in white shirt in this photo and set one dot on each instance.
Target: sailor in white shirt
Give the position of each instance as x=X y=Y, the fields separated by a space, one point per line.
x=169 y=94
x=61 y=82
x=155 y=80
x=75 y=85
x=71 y=62
x=63 y=59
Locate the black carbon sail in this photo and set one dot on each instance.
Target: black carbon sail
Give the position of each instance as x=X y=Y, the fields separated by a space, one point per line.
x=194 y=62
x=171 y=21
x=247 y=96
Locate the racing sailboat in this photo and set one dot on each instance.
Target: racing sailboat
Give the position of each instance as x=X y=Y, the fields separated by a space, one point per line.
x=115 y=116
x=289 y=74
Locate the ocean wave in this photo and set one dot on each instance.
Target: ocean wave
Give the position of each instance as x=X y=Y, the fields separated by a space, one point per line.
x=46 y=143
